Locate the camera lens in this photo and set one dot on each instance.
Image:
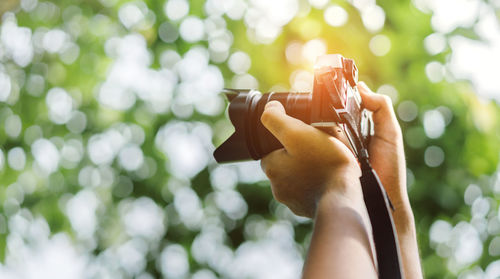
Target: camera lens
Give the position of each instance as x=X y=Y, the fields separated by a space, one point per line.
x=251 y=140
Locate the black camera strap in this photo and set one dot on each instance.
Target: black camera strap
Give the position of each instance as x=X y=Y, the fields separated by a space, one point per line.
x=379 y=206
x=379 y=209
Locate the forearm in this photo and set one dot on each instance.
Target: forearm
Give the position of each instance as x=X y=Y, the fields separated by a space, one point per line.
x=387 y=157
x=407 y=238
x=405 y=225
x=340 y=246
x=404 y=221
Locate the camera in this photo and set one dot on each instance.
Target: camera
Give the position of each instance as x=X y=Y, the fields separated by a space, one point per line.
x=334 y=102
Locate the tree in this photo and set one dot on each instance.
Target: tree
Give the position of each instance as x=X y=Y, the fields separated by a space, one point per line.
x=111 y=109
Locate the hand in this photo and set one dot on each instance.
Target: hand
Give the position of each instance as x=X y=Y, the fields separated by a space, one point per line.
x=312 y=164
x=388 y=159
x=386 y=146
x=316 y=174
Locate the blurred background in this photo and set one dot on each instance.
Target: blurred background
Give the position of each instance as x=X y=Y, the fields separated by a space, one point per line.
x=110 y=110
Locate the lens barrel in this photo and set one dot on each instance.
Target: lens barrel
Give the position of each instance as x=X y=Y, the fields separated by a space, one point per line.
x=335 y=99
x=251 y=140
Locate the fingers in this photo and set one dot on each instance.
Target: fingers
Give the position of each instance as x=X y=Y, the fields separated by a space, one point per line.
x=374 y=102
x=273 y=162
x=288 y=184
x=380 y=105
x=303 y=140
x=338 y=133
x=277 y=166
x=291 y=132
x=385 y=121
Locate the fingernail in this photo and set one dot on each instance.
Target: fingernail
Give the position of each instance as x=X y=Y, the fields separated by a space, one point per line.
x=273 y=104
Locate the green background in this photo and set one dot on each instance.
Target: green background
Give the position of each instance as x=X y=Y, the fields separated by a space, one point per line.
x=454 y=198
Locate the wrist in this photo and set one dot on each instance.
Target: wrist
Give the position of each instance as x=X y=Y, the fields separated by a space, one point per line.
x=403 y=218
x=335 y=208
x=343 y=192
x=333 y=205
x=344 y=181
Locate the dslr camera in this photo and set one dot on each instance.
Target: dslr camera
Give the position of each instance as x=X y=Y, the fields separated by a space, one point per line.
x=334 y=102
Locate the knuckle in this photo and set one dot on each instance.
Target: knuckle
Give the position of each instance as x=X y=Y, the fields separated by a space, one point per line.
x=279 y=198
x=386 y=100
x=300 y=211
x=271 y=164
x=278 y=194
x=270 y=172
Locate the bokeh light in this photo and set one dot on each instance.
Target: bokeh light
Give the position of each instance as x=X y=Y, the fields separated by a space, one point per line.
x=336 y=16
x=110 y=112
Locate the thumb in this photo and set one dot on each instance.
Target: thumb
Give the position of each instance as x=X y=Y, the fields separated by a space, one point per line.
x=288 y=130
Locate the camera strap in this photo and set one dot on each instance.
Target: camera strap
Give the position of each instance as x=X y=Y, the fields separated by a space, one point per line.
x=379 y=206
x=379 y=209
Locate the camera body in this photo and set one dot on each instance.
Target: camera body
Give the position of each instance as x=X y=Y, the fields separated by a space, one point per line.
x=335 y=101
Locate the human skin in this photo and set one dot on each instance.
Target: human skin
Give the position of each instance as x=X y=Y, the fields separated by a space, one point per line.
x=387 y=157
x=317 y=175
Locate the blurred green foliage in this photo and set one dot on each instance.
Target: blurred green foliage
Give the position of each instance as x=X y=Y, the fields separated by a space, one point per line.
x=441 y=167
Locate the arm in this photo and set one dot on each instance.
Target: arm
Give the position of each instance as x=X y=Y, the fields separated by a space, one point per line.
x=317 y=175
x=340 y=246
x=388 y=159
